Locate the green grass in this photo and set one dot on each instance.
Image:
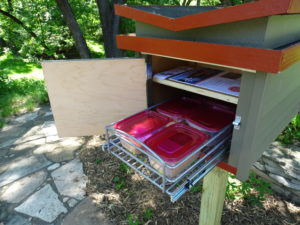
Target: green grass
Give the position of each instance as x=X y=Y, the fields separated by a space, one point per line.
x=16 y=68
x=97 y=49
x=22 y=87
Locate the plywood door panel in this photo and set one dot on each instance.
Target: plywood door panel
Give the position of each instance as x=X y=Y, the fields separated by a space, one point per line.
x=86 y=95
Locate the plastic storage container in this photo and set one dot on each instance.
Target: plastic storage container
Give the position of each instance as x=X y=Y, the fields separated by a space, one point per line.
x=173 y=144
x=211 y=116
x=141 y=126
x=178 y=108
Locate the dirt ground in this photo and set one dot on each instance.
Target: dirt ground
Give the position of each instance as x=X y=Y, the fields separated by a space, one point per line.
x=128 y=198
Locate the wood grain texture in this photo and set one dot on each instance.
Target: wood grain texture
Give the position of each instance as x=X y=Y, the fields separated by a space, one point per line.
x=87 y=95
x=213 y=196
x=257 y=59
x=246 y=11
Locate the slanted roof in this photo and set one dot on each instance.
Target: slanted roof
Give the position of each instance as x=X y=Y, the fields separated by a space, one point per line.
x=175 y=19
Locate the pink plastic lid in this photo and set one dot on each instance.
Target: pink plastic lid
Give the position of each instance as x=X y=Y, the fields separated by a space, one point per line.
x=212 y=117
x=142 y=125
x=178 y=108
x=175 y=142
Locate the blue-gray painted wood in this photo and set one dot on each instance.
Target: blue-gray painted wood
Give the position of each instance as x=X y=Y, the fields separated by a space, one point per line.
x=267 y=104
x=175 y=11
x=267 y=32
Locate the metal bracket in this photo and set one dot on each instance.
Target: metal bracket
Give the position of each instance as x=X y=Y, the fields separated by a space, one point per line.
x=237 y=122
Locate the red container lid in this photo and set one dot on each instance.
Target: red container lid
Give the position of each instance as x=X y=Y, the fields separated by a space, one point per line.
x=211 y=117
x=175 y=142
x=143 y=124
x=178 y=107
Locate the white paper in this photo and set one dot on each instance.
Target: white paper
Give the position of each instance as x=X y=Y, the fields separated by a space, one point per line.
x=227 y=83
x=172 y=72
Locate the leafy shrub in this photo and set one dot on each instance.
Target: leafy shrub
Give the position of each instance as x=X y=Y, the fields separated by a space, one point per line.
x=291 y=133
x=253 y=191
x=20 y=95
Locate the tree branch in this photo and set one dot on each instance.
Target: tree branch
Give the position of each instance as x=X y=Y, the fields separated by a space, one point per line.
x=29 y=31
x=74 y=27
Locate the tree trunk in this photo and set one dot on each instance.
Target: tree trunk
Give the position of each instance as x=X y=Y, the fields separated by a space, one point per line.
x=29 y=31
x=110 y=26
x=70 y=20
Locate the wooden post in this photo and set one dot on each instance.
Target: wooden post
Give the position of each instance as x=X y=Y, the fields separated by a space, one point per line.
x=213 y=195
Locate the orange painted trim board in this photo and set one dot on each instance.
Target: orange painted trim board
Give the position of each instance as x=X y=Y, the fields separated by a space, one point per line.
x=265 y=60
x=227 y=167
x=236 y=13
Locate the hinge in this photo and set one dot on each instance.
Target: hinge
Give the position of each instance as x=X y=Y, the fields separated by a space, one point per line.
x=237 y=122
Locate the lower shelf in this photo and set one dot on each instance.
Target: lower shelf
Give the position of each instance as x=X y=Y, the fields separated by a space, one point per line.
x=177 y=187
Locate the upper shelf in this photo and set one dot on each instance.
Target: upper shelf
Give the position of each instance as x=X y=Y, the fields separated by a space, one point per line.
x=171 y=18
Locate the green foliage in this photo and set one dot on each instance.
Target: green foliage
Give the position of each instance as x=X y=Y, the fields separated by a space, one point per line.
x=120 y=182
x=237 y=2
x=210 y=2
x=253 y=191
x=19 y=95
x=148 y=214
x=124 y=168
x=133 y=220
x=291 y=133
x=196 y=189
x=98 y=161
x=45 y=20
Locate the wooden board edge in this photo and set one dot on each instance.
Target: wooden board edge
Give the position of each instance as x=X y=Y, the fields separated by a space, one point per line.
x=290 y=56
x=143 y=16
x=235 y=13
x=227 y=167
x=265 y=60
x=294 y=6
x=229 y=14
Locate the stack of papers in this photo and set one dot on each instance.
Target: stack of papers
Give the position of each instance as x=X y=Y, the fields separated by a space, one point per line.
x=212 y=79
x=227 y=83
x=195 y=76
x=172 y=72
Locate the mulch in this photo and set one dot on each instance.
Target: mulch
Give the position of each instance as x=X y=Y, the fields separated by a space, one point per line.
x=136 y=200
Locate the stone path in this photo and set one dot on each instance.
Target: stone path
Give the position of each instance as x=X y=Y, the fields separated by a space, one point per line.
x=41 y=178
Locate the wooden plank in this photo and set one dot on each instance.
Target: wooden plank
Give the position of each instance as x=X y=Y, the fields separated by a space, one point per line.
x=198 y=90
x=267 y=103
x=87 y=95
x=213 y=196
x=266 y=60
x=190 y=62
x=275 y=106
x=242 y=12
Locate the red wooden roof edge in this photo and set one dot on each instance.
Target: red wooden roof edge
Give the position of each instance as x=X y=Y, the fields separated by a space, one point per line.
x=246 y=11
x=258 y=59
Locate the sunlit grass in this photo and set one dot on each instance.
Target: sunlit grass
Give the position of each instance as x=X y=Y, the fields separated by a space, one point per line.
x=22 y=86
x=16 y=68
x=96 y=48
